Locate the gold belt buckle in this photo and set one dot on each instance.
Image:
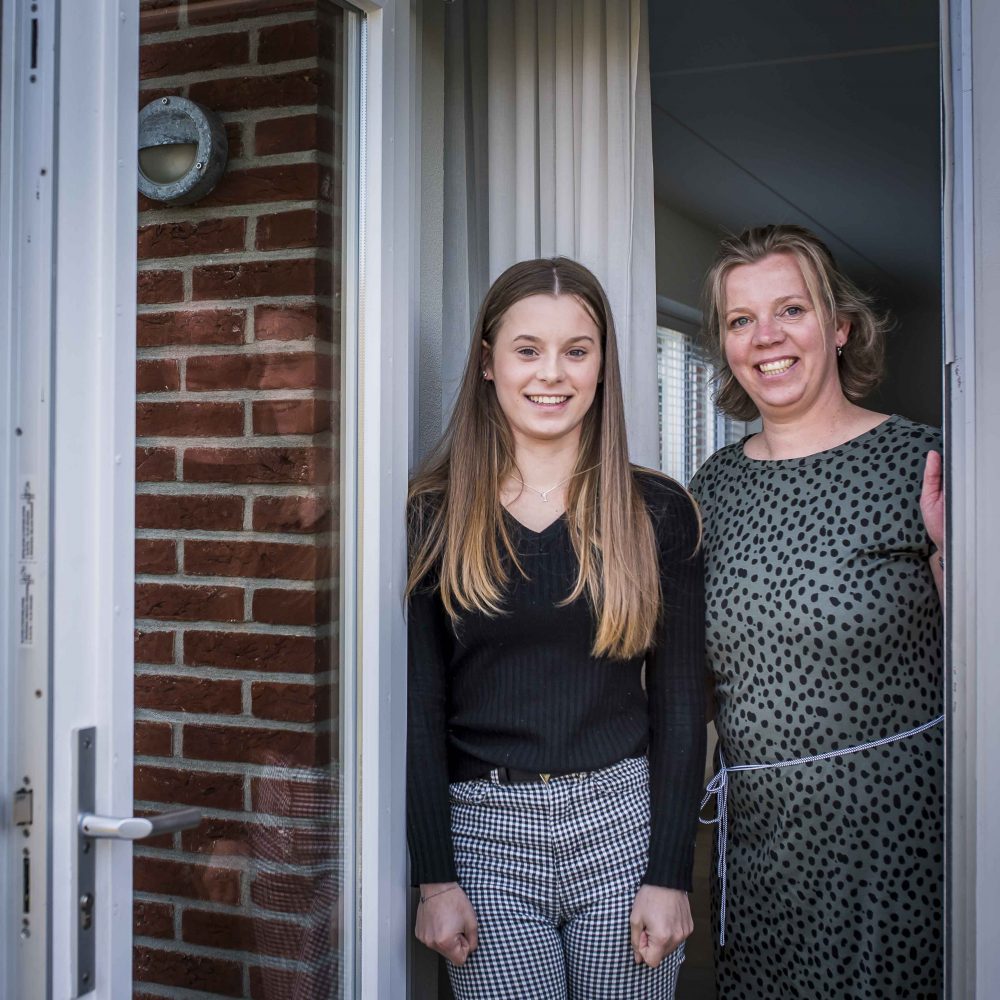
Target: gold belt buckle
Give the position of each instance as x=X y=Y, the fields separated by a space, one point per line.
x=545 y=777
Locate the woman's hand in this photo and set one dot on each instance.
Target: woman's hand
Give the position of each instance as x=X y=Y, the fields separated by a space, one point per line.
x=932 y=511
x=932 y=500
x=660 y=922
x=446 y=922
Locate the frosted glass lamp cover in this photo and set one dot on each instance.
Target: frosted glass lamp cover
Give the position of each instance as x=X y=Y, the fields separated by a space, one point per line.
x=182 y=151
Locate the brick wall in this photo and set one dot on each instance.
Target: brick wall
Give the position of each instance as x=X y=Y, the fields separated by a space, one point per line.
x=236 y=512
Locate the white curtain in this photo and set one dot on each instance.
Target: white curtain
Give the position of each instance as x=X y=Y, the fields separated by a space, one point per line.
x=546 y=148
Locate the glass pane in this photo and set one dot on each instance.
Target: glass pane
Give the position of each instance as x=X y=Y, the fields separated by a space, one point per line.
x=239 y=694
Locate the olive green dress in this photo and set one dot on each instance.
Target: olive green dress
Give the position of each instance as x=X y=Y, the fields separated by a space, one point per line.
x=824 y=632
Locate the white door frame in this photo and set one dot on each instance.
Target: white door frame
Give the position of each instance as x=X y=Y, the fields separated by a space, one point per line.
x=971 y=229
x=91 y=283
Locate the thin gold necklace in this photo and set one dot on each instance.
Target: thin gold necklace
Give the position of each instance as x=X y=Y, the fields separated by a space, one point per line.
x=544 y=494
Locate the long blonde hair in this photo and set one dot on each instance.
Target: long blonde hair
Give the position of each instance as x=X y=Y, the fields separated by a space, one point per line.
x=456 y=519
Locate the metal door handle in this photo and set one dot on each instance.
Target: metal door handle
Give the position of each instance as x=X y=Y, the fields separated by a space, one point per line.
x=137 y=827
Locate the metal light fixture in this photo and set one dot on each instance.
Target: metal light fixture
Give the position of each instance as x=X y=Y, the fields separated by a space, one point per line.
x=182 y=150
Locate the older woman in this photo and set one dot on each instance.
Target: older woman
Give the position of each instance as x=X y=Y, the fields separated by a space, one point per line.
x=824 y=638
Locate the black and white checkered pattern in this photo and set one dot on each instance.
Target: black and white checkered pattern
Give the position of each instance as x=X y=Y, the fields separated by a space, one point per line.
x=552 y=871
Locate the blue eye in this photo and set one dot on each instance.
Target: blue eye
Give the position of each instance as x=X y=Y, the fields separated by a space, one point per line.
x=577 y=352
x=794 y=311
x=739 y=322
x=526 y=352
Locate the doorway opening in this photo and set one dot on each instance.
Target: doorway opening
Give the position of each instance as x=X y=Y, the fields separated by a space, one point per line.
x=826 y=116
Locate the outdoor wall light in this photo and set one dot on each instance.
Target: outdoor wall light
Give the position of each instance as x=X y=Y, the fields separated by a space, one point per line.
x=182 y=150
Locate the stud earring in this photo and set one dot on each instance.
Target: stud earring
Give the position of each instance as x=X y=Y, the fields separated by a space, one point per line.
x=486 y=374
x=840 y=351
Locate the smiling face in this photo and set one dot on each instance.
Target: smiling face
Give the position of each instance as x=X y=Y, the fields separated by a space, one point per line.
x=780 y=348
x=546 y=365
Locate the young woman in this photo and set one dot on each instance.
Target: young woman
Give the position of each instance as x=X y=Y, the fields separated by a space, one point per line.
x=824 y=543
x=552 y=787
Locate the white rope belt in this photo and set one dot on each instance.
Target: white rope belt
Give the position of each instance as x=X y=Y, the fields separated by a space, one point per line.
x=719 y=787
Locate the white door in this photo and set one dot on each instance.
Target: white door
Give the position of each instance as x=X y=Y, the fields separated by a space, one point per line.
x=185 y=645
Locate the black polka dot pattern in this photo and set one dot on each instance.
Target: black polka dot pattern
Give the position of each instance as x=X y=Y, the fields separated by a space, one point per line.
x=824 y=631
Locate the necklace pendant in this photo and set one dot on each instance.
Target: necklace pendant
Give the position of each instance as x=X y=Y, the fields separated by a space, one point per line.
x=545 y=496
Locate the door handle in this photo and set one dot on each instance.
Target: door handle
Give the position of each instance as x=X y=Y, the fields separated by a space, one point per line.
x=137 y=827
x=92 y=826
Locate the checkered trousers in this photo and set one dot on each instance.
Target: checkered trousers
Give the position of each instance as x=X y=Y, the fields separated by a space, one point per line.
x=552 y=871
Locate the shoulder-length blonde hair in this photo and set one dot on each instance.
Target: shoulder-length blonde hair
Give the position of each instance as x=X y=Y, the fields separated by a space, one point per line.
x=456 y=519
x=834 y=297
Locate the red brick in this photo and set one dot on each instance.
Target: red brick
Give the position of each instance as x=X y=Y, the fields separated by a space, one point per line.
x=158 y=15
x=288 y=135
x=293 y=654
x=298 y=40
x=159 y=286
x=188 y=694
x=291 y=607
x=296 y=799
x=291 y=416
x=154 y=465
x=182 y=878
x=190 y=788
x=226 y=11
x=178 y=602
x=153 y=739
x=305 y=370
x=263 y=560
x=285 y=230
x=234 y=139
x=193 y=972
x=284 y=892
x=258 y=278
x=257 y=465
x=155 y=555
x=157 y=376
x=183 y=239
x=287 y=844
x=293 y=322
x=193 y=55
x=189 y=420
x=248 y=93
x=307 y=514
x=186 y=512
x=281 y=182
x=154 y=647
x=232 y=931
x=290 y=702
x=197 y=326
x=152 y=919
x=276 y=747
x=268 y=981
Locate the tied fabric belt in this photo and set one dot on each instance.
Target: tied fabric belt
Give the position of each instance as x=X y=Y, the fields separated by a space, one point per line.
x=719 y=787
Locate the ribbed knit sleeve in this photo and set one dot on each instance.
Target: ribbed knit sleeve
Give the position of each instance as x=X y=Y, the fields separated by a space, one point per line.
x=428 y=809
x=675 y=685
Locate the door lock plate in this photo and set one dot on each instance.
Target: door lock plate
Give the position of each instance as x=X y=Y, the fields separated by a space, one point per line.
x=23 y=807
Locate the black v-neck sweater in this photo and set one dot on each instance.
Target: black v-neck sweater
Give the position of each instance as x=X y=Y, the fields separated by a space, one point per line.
x=522 y=690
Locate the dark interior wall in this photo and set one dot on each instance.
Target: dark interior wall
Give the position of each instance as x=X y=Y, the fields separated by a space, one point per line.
x=913 y=383
x=824 y=115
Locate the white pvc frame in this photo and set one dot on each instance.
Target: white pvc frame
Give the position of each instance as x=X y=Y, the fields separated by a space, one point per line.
x=93 y=467
x=387 y=328
x=971 y=30
x=26 y=259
